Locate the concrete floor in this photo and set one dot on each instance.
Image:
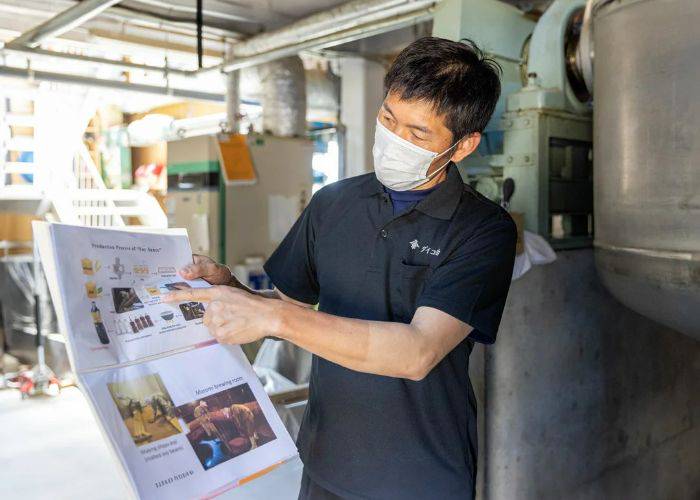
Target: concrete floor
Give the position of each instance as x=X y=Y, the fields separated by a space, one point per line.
x=53 y=448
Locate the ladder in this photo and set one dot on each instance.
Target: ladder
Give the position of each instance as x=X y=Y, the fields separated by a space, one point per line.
x=70 y=189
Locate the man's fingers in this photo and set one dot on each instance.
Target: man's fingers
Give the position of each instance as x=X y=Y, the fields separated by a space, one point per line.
x=198 y=270
x=214 y=315
x=227 y=332
x=191 y=271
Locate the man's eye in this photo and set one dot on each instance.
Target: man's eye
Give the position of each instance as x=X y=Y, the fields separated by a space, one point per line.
x=418 y=138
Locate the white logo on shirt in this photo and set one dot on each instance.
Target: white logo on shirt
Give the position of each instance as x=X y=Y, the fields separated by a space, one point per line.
x=415 y=245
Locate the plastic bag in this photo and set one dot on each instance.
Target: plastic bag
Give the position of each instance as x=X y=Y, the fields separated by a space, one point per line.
x=537 y=252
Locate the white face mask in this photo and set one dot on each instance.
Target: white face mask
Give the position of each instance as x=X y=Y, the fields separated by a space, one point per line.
x=399 y=164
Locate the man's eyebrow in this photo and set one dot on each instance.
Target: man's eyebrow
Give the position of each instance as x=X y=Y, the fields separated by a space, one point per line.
x=425 y=130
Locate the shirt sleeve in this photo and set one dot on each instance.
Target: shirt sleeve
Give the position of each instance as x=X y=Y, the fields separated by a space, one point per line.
x=292 y=266
x=472 y=284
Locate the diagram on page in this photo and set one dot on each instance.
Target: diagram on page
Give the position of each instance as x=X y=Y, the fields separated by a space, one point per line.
x=114 y=283
x=127 y=306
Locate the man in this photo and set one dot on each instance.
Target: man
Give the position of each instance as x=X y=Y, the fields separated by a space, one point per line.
x=159 y=403
x=244 y=420
x=202 y=415
x=409 y=268
x=138 y=421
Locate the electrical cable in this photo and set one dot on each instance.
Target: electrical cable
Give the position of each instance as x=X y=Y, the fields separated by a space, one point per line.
x=199 y=33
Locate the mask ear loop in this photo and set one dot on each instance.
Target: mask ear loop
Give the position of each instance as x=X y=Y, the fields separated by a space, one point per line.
x=428 y=177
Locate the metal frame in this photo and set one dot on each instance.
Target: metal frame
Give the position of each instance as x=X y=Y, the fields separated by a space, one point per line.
x=63 y=22
x=348 y=22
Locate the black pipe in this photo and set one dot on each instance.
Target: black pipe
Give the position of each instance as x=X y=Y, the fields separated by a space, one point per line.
x=199 y=33
x=37 y=320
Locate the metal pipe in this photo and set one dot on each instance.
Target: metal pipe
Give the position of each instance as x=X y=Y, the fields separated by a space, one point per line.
x=95 y=60
x=353 y=19
x=233 y=101
x=334 y=39
x=112 y=84
x=63 y=22
x=344 y=24
x=199 y=21
x=327 y=22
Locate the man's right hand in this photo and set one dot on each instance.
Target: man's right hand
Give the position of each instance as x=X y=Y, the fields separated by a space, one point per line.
x=210 y=271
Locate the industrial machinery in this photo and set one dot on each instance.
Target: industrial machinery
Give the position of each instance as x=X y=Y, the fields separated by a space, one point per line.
x=195 y=194
x=646 y=224
x=647 y=178
x=579 y=389
x=238 y=220
x=540 y=135
x=547 y=146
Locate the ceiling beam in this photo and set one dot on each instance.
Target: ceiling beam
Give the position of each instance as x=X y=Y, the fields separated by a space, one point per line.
x=29 y=74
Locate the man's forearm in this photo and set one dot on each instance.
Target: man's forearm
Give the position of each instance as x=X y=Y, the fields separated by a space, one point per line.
x=378 y=347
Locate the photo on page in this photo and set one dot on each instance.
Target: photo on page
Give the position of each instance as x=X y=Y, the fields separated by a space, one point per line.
x=146 y=408
x=225 y=425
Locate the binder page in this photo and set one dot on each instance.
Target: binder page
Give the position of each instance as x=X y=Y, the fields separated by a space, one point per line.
x=111 y=283
x=191 y=424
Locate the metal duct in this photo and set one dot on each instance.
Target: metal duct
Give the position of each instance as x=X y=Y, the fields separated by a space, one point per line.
x=322 y=93
x=647 y=148
x=347 y=22
x=284 y=97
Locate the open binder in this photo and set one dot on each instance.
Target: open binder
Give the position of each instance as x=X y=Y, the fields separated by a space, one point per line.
x=185 y=416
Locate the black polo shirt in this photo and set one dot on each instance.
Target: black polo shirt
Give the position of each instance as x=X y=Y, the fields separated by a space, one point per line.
x=371 y=436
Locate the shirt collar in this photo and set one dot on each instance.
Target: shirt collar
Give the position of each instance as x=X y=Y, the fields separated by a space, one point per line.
x=441 y=203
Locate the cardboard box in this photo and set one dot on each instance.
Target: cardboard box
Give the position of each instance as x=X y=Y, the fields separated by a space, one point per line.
x=17 y=228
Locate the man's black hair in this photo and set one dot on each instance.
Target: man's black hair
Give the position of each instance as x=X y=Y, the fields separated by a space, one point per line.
x=461 y=83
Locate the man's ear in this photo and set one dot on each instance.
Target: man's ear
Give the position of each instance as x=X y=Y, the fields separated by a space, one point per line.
x=466 y=147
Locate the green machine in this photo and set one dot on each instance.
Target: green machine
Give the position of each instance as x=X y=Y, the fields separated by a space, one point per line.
x=540 y=134
x=242 y=220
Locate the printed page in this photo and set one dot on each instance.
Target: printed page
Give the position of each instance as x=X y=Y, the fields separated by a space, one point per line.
x=111 y=283
x=191 y=424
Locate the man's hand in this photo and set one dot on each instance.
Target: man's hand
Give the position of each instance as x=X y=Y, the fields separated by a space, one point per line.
x=233 y=316
x=211 y=272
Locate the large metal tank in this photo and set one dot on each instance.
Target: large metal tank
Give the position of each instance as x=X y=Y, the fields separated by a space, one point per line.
x=647 y=157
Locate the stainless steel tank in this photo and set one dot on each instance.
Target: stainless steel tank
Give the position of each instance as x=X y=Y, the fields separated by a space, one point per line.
x=647 y=157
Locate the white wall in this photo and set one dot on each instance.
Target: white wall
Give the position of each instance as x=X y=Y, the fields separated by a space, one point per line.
x=361 y=94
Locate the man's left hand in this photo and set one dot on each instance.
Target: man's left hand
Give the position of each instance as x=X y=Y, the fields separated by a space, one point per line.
x=232 y=315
